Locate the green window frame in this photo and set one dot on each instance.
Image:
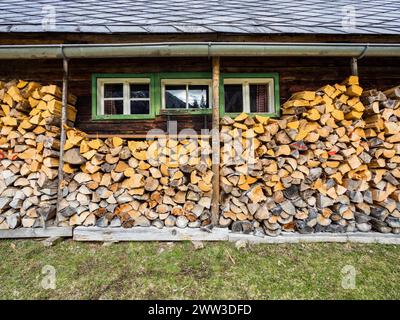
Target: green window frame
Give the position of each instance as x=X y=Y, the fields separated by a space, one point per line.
x=274 y=77
x=124 y=77
x=156 y=92
x=165 y=76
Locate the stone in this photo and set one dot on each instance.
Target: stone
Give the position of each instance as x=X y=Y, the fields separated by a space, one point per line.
x=198 y=245
x=241 y=244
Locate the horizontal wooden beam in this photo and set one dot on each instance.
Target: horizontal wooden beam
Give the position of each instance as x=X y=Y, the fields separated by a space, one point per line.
x=21 y=233
x=223 y=234
x=288 y=237
x=148 y=234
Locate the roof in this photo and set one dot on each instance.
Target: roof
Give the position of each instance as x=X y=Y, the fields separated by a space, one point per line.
x=202 y=16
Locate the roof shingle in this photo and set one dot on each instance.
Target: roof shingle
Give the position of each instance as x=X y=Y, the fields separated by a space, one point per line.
x=199 y=16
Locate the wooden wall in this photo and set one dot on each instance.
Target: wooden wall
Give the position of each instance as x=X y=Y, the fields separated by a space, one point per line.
x=295 y=74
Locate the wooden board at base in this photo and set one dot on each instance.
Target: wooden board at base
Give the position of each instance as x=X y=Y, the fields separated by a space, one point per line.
x=355 y=237
x=222 y=234
x=26 y=233
x=148 y=234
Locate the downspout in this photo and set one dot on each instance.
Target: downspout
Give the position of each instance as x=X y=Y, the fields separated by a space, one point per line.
x=354 y=61
x=354 y=66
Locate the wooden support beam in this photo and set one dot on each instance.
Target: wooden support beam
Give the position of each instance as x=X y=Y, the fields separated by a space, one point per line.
x=149 y=234
x=20 y=233
x=222 y=234
x=354 y=66
x=63 y=132
x=215 y=141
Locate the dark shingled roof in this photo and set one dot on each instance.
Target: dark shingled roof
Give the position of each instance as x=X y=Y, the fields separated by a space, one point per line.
x=202 y=16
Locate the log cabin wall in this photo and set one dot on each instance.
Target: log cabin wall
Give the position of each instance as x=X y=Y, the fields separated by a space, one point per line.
x=295 y=74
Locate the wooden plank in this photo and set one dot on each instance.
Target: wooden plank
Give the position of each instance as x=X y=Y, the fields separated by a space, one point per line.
x=216 y=146
x=62 y=37
x=355 y=237
x=223 y=234
x=21 y=233
x=148 y=234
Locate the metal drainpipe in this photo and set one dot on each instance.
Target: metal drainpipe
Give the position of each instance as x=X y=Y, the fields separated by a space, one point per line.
x=354 y=61
x=354 y=66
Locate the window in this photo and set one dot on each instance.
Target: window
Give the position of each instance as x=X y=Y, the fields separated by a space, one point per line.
x=143 y=96
x=250 y=95
x=179 y=94
x=122 y=97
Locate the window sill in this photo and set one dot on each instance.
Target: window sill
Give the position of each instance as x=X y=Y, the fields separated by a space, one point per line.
x=123 y=117
x=270 y=115
x=178 y=112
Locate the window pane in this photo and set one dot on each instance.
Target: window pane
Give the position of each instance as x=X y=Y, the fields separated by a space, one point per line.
x=175 y=96
x=198 y=97
x=113 y=107
x=139 y=90
x=259 y=98
x=113 y=90
x=140 y=107
x=233 y=97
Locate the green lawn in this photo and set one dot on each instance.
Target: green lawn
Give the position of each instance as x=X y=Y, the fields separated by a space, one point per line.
x=177 y=271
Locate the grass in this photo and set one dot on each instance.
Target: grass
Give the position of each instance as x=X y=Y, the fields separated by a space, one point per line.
x=178 y=271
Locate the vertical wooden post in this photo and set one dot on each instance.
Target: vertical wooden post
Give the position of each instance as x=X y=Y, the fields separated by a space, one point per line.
x=63 y=133
x=354 y=66
x=215 y=141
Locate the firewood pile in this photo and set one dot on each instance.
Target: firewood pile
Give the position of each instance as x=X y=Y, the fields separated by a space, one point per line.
x=320 y=168
x=29 y=152
x=382 y=117
x=331 y=163
x=116 y=182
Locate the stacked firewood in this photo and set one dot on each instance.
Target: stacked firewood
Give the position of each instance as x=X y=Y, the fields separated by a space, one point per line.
x=308 y=171
x=331 y=163
x=116 y=182
x=29 y=144
x=382 y=117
